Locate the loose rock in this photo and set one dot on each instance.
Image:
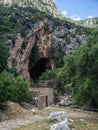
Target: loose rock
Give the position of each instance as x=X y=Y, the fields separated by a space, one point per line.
x=63 y=125
x=58 y=116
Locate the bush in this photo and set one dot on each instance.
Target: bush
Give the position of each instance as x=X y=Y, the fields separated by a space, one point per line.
x=87 y=93
x=48 y=75
x=56 y=93
x=5 y=87
x=21 y=89
x=32 y=84
x=12 y=89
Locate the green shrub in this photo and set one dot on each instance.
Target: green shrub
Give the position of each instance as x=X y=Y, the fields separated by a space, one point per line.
x=48 y=75
x=32 y=84
x=56 y=93
x=21 y=90
x=12 y=89
x=5 y=87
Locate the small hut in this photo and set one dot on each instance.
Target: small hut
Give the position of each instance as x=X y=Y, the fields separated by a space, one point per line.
x=42 y=95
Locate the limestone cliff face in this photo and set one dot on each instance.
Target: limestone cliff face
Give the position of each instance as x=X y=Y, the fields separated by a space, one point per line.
x=40 y=35
x=52 y=41
x=53 y=37
x=47 y=6
x=89 y=22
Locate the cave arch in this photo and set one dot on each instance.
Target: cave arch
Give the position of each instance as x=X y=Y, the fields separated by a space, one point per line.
x=39 y=35
x=41 y=66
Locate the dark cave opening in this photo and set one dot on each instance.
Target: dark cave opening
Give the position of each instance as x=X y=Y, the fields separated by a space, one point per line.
x=41 y=66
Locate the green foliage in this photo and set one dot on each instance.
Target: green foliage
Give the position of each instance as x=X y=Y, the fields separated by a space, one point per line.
x=34 y=56
x=3 y=56
x=15 y=19
x=87 y=92
x=54 y=76
x=32 y=84
x=21 y=91
x=48 y=75
x=5 y=87
x=12 y=89
x=13 y=71
x=81 y=71
x=56 y=93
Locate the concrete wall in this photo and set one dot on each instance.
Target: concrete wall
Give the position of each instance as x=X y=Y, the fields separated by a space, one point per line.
x=42 y=102
x=34 y=97
x=48 y=94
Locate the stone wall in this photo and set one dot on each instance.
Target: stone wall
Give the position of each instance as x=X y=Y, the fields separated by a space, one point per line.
x=42 y=102
x=45 y=98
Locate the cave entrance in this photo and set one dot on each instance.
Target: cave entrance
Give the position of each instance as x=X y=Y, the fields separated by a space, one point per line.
x=41 y=66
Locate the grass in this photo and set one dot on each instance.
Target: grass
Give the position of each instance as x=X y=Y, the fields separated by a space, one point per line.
x=82 y=120
x=43 y=125
x=80 y=125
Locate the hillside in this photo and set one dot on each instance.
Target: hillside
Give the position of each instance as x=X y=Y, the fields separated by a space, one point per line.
x=42 y=5
x=38 y=44
x=89 y=22
x=27 y=21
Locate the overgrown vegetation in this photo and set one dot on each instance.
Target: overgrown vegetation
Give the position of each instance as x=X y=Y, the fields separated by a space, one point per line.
x=80 y=73
x=12 y=88
x=3 y=56
x=14 y=19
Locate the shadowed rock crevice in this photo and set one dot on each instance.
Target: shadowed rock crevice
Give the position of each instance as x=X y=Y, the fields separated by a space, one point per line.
x=41 y=66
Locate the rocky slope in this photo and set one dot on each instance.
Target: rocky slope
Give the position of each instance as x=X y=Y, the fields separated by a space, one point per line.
x=29 y=32
x=52 y=42
x=47 y=6
x=19 y=56
x=89 y=22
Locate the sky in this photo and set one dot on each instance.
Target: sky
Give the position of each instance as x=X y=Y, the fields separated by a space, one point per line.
x=78 y=9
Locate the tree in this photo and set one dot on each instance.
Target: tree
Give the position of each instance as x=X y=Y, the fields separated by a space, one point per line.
x=3 y=56
x=81 y=71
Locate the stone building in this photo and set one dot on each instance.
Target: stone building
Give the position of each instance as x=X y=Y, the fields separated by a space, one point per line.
x=43 y=96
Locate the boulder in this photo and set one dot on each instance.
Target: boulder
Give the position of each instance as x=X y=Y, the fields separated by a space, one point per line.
x=34 y=111
x=66 y=102
x=58 y=116
x=63 y=125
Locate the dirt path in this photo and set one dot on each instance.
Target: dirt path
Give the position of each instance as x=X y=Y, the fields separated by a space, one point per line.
x=11 y=124
x=82 y=120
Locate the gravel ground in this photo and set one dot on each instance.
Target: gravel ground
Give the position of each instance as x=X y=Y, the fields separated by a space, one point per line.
x=11 y=124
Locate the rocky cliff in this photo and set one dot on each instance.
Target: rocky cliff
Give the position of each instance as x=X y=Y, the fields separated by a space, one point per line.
x=37 y=41
x=40 y=34
x=47 y=6
x=89 y=22
x=53 y=43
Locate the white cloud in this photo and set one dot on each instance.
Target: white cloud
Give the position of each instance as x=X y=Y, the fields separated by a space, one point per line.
x=90 y=17
x=65 y=13
x=75 y=17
